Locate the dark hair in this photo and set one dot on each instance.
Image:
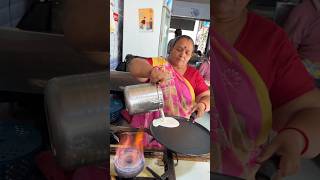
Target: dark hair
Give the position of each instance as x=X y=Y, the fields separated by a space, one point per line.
x=196 y=46
x=175 y=40
x=178 y=32
x=199 y=53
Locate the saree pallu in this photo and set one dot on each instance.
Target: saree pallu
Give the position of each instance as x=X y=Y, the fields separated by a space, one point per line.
x=178 y=95
x=241 y=119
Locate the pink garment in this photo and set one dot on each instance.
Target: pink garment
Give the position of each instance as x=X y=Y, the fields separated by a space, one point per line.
x=241 y=118
x=144 y=120
x=303 y=27
x=204 y=70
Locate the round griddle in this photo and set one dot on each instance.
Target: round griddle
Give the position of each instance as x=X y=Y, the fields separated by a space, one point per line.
x=188 y=138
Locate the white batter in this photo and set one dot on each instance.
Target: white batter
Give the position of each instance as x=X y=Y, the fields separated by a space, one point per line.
x=168 y=122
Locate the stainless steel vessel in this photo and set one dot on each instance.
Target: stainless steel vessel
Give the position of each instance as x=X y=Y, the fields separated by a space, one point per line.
x=143 y=98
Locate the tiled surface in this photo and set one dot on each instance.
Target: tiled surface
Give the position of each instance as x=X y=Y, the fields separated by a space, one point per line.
x=188 y=170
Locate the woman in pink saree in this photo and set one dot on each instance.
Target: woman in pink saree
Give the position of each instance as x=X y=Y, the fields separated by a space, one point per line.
x=255 y=66
x=243 y=121
x=183 y=87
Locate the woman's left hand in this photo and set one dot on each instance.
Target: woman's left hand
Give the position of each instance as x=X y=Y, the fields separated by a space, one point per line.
x=159 y=75
x=288 y=145
x=199 y=108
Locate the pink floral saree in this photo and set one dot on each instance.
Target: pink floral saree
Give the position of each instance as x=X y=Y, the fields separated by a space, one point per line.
x=241 y=118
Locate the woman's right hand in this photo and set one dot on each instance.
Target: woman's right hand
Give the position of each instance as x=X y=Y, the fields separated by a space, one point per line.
x=200 y=109
x=159 y=75
x=288 y=145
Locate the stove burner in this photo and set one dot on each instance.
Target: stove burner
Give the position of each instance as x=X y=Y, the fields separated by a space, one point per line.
x=128 y=162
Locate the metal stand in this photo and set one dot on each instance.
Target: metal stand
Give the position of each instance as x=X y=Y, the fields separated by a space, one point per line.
x=169 y=165
x=169 y=171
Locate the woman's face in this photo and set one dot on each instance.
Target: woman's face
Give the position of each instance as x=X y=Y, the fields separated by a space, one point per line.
x=226 y=10
x=181 y=53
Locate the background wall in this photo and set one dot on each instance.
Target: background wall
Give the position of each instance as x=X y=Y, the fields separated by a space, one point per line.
x=134 y=41
x=191 y=9
x=116 y=23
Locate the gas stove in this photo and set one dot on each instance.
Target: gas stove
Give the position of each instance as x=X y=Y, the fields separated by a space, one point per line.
x=164 y=158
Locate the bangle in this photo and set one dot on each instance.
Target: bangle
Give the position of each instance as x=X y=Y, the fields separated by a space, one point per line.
x=205 y=106
x=306 y=140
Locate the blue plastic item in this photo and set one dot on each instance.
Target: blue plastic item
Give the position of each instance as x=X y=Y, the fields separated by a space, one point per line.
x=115 y=108
x=18 y=144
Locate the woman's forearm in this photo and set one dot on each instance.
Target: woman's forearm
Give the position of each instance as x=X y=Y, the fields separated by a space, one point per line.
x=139 y=68
x=204 y=98
x=308 y=120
